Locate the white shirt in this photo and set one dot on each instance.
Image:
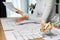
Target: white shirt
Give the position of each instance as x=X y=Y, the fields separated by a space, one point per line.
x=42 y=10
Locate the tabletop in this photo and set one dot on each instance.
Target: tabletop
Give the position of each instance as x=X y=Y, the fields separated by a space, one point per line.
x=2 y=34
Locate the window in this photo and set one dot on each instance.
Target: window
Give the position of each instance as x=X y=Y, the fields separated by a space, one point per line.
x=57 y=6
x=32 y=4
x=20 y=4
x=17 y=4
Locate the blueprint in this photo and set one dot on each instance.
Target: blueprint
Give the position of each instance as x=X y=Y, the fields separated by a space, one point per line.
x=27 y=31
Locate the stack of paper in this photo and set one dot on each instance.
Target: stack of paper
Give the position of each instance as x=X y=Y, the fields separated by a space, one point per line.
x=27 y=31
x=8 y=24
x=9 y=35
x=16 y=35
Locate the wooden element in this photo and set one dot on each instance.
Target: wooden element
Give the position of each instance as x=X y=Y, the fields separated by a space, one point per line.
x=2 y=35
x=38 y=39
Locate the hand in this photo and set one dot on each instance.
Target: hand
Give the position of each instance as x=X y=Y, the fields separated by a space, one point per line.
x=19 y=11
x=21 y=19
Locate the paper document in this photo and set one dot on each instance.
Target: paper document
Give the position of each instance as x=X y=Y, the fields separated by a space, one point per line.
x=10 y=6
x=27 y=31
x=9 y=24
x=9 y=35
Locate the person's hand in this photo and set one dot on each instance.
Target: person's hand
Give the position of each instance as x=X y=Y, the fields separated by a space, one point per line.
x=19 y=11
x=21 y=19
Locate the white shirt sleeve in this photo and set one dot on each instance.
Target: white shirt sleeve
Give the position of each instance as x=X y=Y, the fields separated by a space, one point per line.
x=47 y=9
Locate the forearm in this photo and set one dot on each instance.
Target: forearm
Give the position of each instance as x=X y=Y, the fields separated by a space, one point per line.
x=22 y=18
x=47 y=10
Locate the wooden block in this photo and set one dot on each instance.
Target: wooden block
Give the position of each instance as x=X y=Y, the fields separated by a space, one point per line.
x=38 y=39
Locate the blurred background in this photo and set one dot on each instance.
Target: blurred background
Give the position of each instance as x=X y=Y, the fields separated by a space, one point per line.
x=26 y=6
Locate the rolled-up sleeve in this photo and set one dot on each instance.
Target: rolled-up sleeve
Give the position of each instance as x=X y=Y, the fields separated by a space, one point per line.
x=47 y=9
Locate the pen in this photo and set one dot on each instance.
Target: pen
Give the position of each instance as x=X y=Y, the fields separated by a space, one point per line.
x=28 y=23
